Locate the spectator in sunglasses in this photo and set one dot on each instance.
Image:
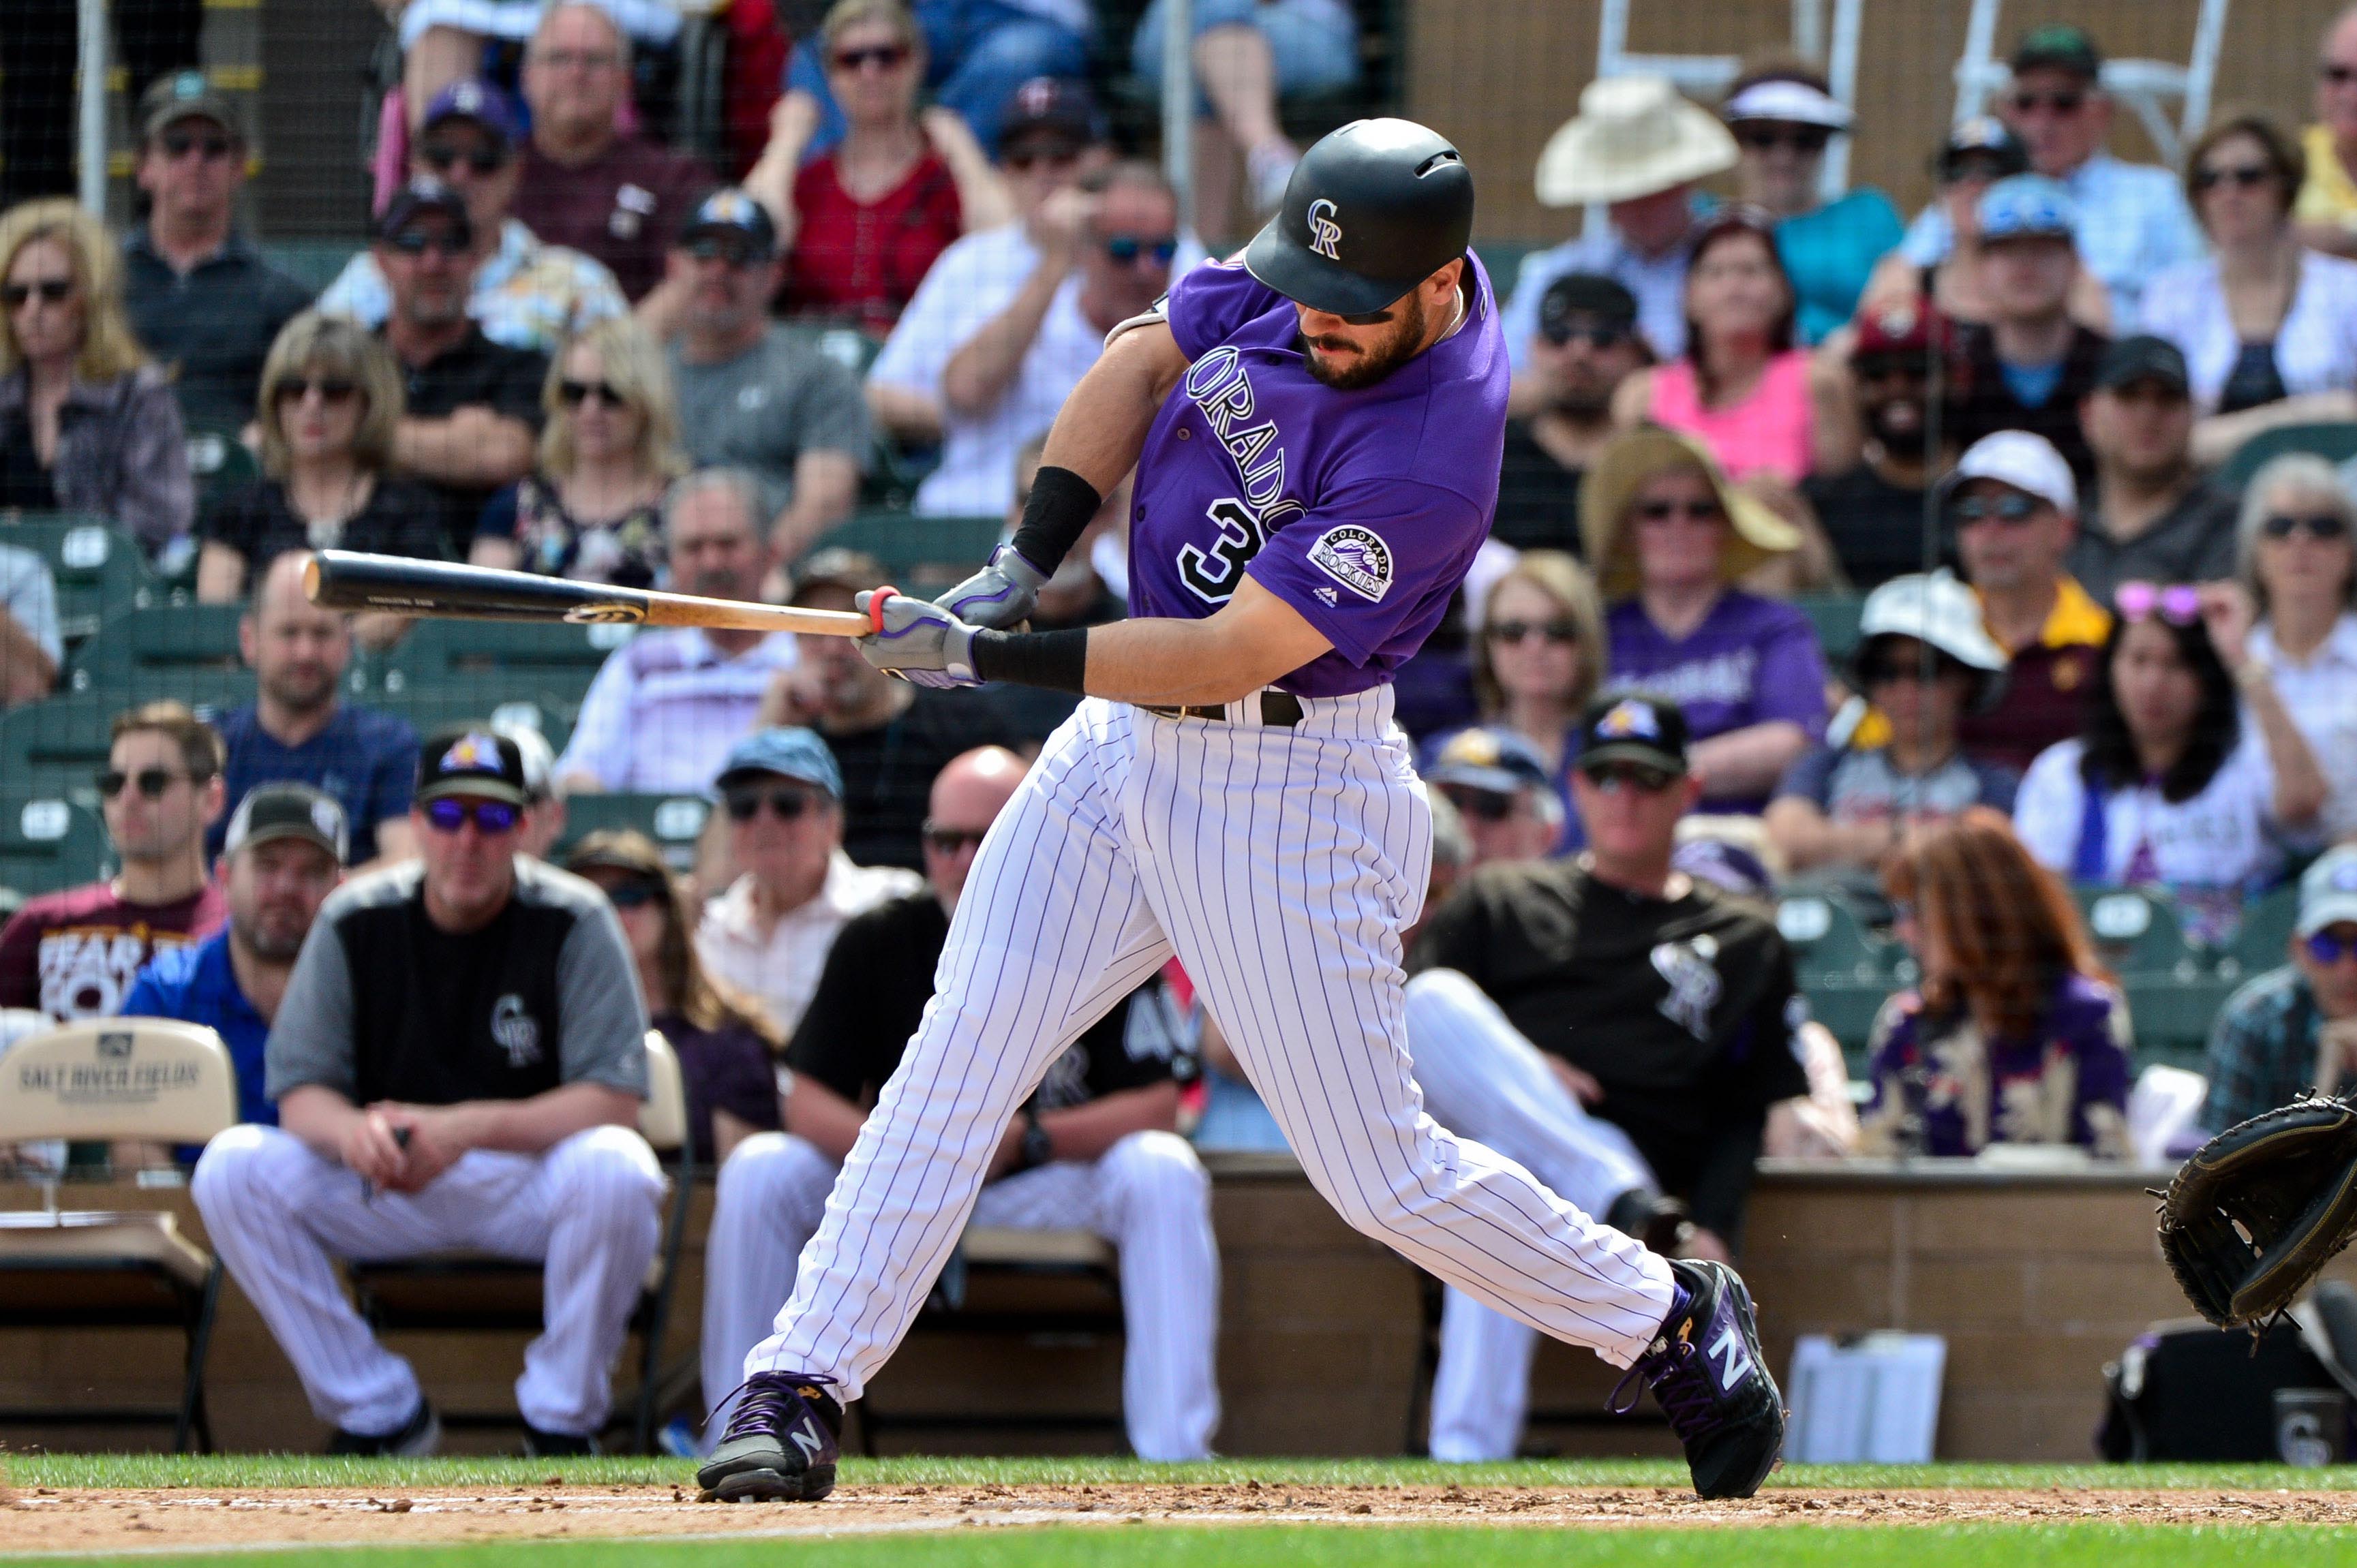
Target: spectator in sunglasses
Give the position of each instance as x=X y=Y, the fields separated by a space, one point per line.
x=1923 y=660
x=769 y=931
x=725 y=1040
x=862 y=221
x=1104 y=1118
x=2293 y=1029
x=2135 y=222
x=2168 y=785
x=87 y=422
x=2268 y=327
x=331 y=401
x=2326 y=210
x=1502 y=792
x=1670 y=538
x=2016 y=1034
x=1872 y=512
x=458 y=1061
x=1783 y=113
x=1587 y=343
x=525 y=294
x=592 y=509
x=73 y=954
x=2295 y=559
x=197 y=293
x=2153 y=514
x=585 y=182
x=1008 y=321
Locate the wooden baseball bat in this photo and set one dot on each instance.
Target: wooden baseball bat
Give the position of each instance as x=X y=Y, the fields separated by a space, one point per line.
x=348 y=580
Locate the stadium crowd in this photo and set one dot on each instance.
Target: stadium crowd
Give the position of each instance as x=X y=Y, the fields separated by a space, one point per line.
x=2092 y=654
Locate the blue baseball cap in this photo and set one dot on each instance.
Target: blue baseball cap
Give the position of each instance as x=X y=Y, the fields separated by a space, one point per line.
x=479 y=101
x=2026 y=207
x=1495 y=759
x=789 y=751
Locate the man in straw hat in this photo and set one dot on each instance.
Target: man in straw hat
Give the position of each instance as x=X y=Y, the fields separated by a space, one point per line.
x=1639 y=148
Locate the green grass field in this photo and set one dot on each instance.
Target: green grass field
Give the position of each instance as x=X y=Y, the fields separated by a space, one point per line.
x=2090 y=1544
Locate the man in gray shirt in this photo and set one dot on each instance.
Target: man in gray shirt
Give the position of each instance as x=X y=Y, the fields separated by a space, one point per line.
x=2153 y=515
x=458 y=1063
x=751 y=395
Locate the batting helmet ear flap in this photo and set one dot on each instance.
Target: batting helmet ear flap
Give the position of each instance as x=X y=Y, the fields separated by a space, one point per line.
x=1371 y=211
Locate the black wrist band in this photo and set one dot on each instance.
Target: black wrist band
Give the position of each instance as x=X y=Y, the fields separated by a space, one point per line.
x=1060 y=505
x=1058 y=661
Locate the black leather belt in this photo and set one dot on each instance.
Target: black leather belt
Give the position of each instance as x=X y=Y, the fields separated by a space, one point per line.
x=1278 y=710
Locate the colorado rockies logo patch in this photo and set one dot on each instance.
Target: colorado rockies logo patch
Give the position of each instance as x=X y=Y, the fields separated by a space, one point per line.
x=1324 y=233
x=1356 y=559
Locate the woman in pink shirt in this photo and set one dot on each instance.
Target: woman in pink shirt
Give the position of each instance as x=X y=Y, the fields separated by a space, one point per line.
x=1743 y=389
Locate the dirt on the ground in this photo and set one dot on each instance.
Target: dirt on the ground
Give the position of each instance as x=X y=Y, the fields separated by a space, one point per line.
x=46 y=1520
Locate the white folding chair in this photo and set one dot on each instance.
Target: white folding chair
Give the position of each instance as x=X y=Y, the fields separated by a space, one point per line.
x=2145 y=86
x=149 y=1079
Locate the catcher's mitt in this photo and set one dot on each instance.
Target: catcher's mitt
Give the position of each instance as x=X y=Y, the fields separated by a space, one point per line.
x=2259 y=1208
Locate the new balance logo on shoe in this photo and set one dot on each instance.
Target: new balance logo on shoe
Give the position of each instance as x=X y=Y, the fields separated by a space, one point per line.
x=1734 y=1360
x=808 y=1440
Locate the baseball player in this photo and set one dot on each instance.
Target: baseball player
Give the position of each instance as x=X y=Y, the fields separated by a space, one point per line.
x=1316 y=429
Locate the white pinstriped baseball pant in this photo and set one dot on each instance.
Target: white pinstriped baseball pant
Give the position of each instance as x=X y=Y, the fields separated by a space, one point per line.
x=1281 y=865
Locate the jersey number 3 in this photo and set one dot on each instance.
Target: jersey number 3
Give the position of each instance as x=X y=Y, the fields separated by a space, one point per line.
x=1212 y=576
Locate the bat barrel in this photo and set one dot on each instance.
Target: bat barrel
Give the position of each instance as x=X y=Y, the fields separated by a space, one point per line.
x=347 y=580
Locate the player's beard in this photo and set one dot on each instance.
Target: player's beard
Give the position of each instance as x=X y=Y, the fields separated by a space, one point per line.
x=1369 y=365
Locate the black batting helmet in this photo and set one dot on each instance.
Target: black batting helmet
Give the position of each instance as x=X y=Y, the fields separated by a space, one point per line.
x=1371 y=211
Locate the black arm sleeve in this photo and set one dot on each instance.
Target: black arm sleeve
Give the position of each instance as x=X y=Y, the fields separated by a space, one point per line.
x=1061 y=506
x=1058 y=661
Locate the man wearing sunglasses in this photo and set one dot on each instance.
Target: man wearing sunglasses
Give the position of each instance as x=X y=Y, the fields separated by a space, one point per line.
x=585 y=183
x=2293 y=1029
x=1873 y=513
x=1093 y=1148
x=1668 y=1009
x=458 y=1061
x=2153 y=515
x=990 y=358
x=1314 y=429
x=2134 y=218
x=524 y=293
x=768 y=933
x=72 y=954
x=1587 y=344
x=2012 y=509
x=199 y=294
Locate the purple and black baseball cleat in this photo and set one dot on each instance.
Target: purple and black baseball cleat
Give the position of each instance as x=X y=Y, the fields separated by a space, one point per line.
x=1707 y=1374
x=781 y=1442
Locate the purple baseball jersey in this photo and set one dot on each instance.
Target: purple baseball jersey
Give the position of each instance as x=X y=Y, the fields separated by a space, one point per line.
x=1361 y=510
x=1750 y=660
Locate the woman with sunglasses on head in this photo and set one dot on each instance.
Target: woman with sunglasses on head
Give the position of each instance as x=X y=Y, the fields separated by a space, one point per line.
x=862 y=221
x=725 y=1040
x=1669 y=538
x=593 y=509
x=2166 y=785
x=2295 y=562
x=2015 y=1034
x=329 y=403
x=2267 y=326
x=86 y=423
x=1782 y=113
x=1538 y=656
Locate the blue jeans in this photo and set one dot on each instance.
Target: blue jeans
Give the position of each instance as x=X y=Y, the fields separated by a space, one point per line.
x=1314 y=44
x=980 y=52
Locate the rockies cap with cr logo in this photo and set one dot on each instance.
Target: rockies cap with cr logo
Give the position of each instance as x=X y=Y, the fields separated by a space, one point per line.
x=472 y=760
x=1371 y=211
x=1634 y=728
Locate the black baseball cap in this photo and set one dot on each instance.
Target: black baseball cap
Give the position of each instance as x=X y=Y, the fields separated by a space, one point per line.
x=1986 y=137
x=289 y=811
x=1051 y=109
x=1587 y=294
x=2059 y=46
x=2143 y=358
x=421 y=196
x=1634 y=728
x=729 y=212
x=472 y=760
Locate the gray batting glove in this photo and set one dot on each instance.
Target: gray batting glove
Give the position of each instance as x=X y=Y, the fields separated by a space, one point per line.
x=922 y=643
x=1001 y=595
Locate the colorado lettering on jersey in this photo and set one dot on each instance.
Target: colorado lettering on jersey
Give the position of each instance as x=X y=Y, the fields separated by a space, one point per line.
x=1217 y=385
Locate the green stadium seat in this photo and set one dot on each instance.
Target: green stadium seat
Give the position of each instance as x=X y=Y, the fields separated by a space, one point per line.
x=48 y=843
x=2265 y=937
x=1836 y=622
x=2335 y=441
x=187 y=652
x=2138 y=931
x=920 y=551
x=1844 y=969
x=477 y=664
x=312 y=262
x=100 y=569
x=428 y=709
x=219 y=463
x=59 y=746
x=672 y=820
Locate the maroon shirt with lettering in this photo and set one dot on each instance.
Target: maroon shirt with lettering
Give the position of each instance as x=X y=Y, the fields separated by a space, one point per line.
x=623 y=206
x=73 y=954
x=2044 y=701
